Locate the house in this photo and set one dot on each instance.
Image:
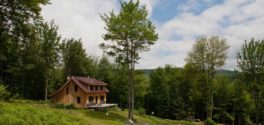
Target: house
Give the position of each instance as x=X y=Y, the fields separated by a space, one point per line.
x=81 y=91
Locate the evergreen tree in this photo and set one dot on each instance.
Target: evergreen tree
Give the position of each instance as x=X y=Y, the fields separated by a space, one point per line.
x=74 y=57
x=251 y=62
x=49 y=50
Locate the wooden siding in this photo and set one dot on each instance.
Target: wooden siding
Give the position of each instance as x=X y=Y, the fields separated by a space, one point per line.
x=71 y=98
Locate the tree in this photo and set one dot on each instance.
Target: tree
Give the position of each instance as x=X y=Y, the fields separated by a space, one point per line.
x=169 y=93
x=18 y=45
x=74 y=57
x=209 y=53
x=49 y=46
x=130 y=32
x=251 y=62
x=4 y=94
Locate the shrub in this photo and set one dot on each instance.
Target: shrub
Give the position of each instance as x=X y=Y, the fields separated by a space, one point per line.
x=209 y=121
x=70 y=106
x=60 y=106
x=141 y=111
x=4 y=94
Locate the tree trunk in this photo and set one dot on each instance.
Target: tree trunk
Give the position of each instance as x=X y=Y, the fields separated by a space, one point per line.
x=132 y=91
x=130 y=111
x=46 y=89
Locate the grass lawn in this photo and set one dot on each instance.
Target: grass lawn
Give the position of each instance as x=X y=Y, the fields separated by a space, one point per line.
x=24 y=112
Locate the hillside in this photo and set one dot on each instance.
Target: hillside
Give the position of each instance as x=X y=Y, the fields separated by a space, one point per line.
x=22 y=112
x=229 y=73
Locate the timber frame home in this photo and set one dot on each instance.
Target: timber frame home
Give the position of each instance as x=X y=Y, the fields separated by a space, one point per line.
x=81 y=91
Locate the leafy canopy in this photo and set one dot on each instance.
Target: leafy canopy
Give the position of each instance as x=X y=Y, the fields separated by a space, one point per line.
x=129 y=31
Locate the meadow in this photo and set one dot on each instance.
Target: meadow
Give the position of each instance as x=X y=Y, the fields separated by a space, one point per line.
x=26 y=112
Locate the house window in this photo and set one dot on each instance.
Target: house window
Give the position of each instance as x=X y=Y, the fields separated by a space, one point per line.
x=76 y=88
x=96 y=88
x=92 y=88
x=101 y=88
x=91 y=98
x=101 y=98
x=78 y=99
x=67 y=90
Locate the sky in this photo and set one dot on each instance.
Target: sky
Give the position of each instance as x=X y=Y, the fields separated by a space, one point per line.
x=178 y=22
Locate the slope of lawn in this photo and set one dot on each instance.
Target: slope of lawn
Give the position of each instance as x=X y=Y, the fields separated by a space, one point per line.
x=22 y=112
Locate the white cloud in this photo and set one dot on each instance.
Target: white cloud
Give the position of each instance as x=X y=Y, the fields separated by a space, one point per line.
x=235 y=20
x=80 y=19
x=150 y=4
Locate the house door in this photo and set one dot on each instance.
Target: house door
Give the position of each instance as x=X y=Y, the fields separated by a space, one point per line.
x=96 y=99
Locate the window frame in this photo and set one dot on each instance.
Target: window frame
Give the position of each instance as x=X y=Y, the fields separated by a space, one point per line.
x=91 y=99
x=78 y=99
x=76 y=88
x=67 y=90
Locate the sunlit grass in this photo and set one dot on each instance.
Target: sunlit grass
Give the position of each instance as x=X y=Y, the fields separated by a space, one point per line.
x=26 y=112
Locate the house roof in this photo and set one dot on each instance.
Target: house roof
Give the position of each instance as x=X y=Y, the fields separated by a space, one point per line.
x=83 y=83
x=88 y=80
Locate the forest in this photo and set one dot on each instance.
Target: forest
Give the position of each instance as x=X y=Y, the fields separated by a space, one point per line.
x=36 y=60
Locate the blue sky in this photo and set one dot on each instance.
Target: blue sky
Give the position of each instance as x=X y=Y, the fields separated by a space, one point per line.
x=168 y=9
x=178 y=23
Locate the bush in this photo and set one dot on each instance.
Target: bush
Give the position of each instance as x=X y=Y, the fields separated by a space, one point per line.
x=60 y=106
x=70 y=106
x=141 y=111
x=209 y=121
x=4 y=94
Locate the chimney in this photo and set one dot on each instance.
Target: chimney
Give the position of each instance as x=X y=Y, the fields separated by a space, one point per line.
x=68 y=78
x=88 y=77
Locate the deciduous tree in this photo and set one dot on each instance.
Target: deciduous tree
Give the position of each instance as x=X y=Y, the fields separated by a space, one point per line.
x=209 y=53
x=129 y=32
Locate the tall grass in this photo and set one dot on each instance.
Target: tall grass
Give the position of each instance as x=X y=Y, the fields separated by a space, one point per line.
x=26 y=112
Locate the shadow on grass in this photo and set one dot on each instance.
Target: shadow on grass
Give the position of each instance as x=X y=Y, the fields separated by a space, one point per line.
x=101 y=115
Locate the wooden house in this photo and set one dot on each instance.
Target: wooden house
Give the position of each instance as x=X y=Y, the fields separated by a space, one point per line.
x=81 y=91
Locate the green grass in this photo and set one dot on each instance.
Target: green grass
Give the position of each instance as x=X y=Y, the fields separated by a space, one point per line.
x=23 y=112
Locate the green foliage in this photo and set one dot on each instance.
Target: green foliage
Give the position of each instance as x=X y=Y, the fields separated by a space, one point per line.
x=209 y=54
x=129 y=32
x=49 y=50
x=22 y=112
x=63 y=106
x=70 y=106
x=25 y=114
x=169 y=95
x=19 y=45
x=209 y=121
x=251 y=64
x=60 y=106
x=4 y=94
x=74 y=57
x=141 y=111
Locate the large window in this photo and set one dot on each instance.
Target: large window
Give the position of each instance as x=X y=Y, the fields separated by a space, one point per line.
x=67 y=90
x=101 y=87
x=96 y=88
x=78 y=99
x=91 y=98
x=102 y=98
x=92 y=88
x=76 y=88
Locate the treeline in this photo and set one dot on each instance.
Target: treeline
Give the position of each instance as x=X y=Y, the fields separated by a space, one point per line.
x=36 y=59
x=197 y=92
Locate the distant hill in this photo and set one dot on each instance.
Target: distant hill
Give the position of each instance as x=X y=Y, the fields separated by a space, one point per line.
x=229 y=73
